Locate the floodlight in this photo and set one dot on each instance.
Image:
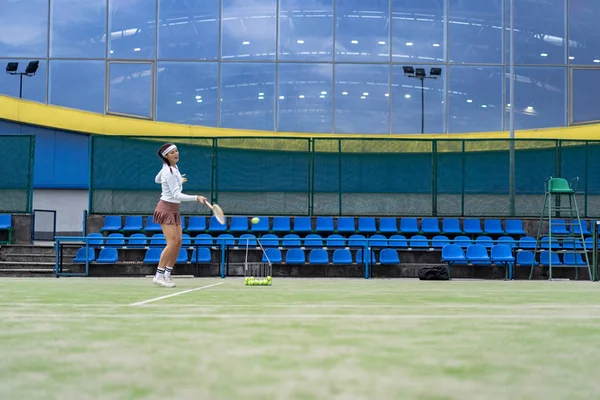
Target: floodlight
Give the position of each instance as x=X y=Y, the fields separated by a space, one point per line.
x=420 y=72
x=435 y=72
x=408 y=70
x=11 y=67
x=32 y=67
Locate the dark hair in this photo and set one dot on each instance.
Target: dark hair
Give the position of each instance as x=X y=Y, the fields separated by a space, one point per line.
x=163 y=158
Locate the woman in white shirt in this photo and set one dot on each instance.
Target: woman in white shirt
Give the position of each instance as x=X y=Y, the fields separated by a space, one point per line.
x=167 y=212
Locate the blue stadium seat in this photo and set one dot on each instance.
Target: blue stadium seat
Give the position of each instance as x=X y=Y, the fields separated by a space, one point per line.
x=584 y=227
x=158 y=239
x=342 y=256
x=485 y=241
x=453 y=254
x=80 y=256
x=261 y=227
x=477 y=254
x=357 y=240
x=545 y=259
x=589 y=243
x=472 y=226
x=508 y=241
x=430 y=226
x=463 y=241
x=108 y=255
x=318 y=256
x=6 y=225
x=493 y=227
x=196 y=224
x=573 y=259
x=225 y=239
x=152 y=226
x=137 y=240
x=295 y=256
x=572 y=243
x=545 y=243
x=281 y=224
x=359 y=257
x=366 y=225
x=291 y=240
x=409 y=225
x=559 y=227
x=388 y=225
x=152 y=255
x=418 y=241
x=133 y=223
x=346 y=224
x=182 y=257
x=302 y=224
x=324 y=224
x=95 y=239
x=273 y=255
x=186 y=240
x=115 y=240
x=204 y=239
x=313 y=240
x=397 y=241
x=270 y=240
x=525 y=257
x=515 y=227
x=335 y=240
x=378 y=241
x=183 y=223
x=527 y=242
x=502 y=254
x=389 y=257
x=439 y=241
x=112 y=223
x=215 y=226
x=451 y=226
x=247 y=239
x=239 y=224
x=201 y=255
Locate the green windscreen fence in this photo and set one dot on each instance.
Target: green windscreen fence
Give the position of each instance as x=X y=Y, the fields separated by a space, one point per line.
x=16 y=169
x=329 y=176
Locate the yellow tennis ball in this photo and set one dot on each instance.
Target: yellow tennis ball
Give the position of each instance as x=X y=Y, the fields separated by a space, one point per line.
x=255 y=220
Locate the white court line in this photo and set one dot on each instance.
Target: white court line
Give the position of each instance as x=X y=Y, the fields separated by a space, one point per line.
x=141 y=303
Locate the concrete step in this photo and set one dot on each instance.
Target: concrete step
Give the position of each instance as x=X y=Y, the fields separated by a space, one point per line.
x=26 y=249
x=28 y=257
x=11 y=265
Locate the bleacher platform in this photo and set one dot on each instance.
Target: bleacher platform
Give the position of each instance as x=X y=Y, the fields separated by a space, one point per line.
x=330 y=246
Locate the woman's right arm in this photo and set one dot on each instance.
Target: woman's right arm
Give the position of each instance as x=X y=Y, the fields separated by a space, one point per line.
x=158 y=178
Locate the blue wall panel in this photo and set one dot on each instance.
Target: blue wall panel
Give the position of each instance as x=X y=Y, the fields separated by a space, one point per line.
x=61 y=157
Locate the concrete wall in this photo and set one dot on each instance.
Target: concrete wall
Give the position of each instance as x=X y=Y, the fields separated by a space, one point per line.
x=68 y=204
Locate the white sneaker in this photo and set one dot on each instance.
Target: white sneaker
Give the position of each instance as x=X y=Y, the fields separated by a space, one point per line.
x=159 y=281
x=169 y=282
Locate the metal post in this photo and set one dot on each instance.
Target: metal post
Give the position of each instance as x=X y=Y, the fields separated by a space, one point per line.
x=422 y=105
x=21 y=86
x=511 y=161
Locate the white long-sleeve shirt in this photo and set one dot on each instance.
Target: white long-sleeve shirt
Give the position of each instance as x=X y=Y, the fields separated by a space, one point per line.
x=172 y=184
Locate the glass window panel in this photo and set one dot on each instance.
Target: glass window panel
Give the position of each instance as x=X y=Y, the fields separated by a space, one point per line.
x=188 y=30
x=418 y=30
x=362 y=98
x=306 y=30
x=24 y=28
x=34 y=87
x=540 y=32
x=475 y=96
x=68 y=77
x=408 y=99
x=540 y=97
x=305 y=92
x=187 y=93
x=248 y=96
x=362 y=30
x=78 y=28
x=248 y=29
x=130 y=89
x=475 y=31
x=132 y=27
x=586 y=86
x=584 y=35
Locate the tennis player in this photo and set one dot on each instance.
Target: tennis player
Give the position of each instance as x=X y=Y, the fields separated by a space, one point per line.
x=167 y=212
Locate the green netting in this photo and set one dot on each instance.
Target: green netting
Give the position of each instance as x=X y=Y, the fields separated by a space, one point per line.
x=330 y=176
x=16 y=169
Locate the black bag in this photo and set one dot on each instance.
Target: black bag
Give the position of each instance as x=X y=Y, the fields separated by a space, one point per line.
x=439 y=273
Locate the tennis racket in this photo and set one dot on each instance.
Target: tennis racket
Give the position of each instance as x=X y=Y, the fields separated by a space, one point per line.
x=217 y=212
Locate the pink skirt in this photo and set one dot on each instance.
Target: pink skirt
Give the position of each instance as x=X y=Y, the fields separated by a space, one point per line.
x=167 y=213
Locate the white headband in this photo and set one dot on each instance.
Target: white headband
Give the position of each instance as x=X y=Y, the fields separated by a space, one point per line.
x=168 y=150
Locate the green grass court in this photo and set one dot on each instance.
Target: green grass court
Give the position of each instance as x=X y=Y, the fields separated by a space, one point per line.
x=74 y=338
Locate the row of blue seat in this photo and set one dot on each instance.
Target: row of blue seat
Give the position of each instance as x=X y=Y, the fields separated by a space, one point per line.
x=6 y=226
x=428 y=226
x=110 y=255
x=139 y=240
x=501 y=254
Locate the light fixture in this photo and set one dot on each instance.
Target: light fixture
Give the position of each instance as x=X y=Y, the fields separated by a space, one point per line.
x=11 y=68
x=436 y=45
x=435 y=72
x=300 y=41
x=420 y=72
x=408 y=70
x=469 y=101
x=544 y=55
x=407 y=96
x=409 y=43
x=381 y=42
x=354 y=41
x=32 y=67
x=345 y=93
